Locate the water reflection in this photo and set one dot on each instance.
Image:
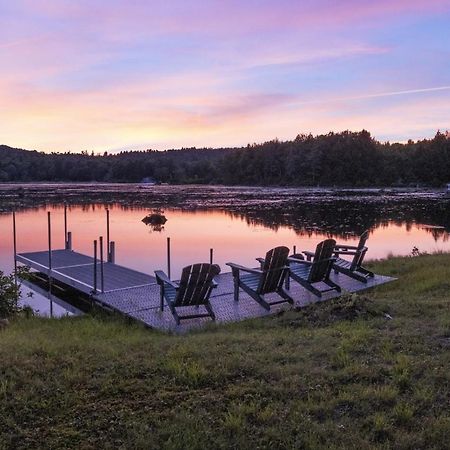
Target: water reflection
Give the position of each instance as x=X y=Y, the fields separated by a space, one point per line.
x=234 y=236
x=195 y=231
x=344 y=220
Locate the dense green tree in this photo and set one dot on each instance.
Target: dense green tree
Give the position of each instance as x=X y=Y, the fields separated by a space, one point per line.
x=334 y=159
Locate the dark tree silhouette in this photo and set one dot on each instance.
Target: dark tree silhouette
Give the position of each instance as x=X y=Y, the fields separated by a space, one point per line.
x=351 y=159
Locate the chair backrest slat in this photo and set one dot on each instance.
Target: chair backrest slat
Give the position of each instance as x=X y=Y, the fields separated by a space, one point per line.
x=274 y=270
x=361 y=251
x=363 y=239
x=196 y=284
x=321 y=266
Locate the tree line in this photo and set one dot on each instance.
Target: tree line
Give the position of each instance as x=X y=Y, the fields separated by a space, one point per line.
x=335 y=159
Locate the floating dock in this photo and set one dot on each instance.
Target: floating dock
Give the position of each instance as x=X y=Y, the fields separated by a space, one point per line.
x=136 y=295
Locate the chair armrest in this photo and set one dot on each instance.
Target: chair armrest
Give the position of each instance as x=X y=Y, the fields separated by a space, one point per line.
x=162 y=278
x=345 y=247
x=237 y=268
x=348 y=251
x=345 y=252
x=332 y=259
x=299 y=261
x=261 y=262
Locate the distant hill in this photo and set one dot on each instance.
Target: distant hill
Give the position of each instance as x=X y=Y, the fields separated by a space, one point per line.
x=341 y=159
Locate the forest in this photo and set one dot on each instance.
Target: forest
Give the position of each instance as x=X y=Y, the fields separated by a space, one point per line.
x=348 y=159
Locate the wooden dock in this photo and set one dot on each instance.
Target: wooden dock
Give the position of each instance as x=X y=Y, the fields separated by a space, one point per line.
x=77 y=270
x=136 y=295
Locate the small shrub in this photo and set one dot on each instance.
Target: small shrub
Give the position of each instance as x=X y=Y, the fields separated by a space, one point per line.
x=9 y=296
x=10 y=293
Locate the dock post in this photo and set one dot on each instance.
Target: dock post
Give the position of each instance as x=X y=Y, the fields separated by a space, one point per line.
x=69 y=241
x=95 y=267
x=112 y=252
x=168 y=257
x=66 y=239
x=15 y=254
x=211 y=255
x=49 y=226
x=108 y=256
x=295 y=249
x=102 y=283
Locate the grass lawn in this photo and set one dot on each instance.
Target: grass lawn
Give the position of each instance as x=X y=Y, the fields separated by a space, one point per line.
x=311 y=379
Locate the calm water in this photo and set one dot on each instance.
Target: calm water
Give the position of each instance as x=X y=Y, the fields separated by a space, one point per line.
x=233 y=237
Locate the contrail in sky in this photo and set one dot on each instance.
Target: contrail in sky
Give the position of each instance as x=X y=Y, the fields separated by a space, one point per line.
x=368 y=96
x=409 y=91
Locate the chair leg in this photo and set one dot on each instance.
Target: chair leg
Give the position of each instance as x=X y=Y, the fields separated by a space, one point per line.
x=366 y=272
x=174 y=313
x=282 y=293
x=261 y=301
x=236 y=289
x=161 y=295
x=333 y=285
x=210 y=310
x=354 y=275
x=309 y=287
x=287 y=282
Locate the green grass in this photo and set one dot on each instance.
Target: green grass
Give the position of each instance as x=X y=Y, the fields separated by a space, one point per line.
x=298 y=380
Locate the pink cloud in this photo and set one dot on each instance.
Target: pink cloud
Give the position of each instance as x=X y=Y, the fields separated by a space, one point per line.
x=126 y=20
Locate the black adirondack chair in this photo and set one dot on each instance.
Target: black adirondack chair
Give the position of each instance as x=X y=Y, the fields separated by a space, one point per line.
x=316 y=269
x=193 y=289
x=269 y=279
x=353 y=268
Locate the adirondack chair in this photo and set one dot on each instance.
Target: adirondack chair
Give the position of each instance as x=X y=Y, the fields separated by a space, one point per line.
x=354 y=267
x=193 y=289
x=316 y=269
x=268 y=279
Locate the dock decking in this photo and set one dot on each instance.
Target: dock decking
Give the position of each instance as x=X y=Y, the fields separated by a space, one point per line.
x=77 y=270
x=136 y=294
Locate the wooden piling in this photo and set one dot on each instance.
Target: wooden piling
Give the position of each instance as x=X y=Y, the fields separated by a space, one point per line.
x=112 y=252
x=66 y=239
x=95 y=266
x=108 y=256
x=168 y=257
x=102 y=283
x=15 y=254
x=49 y=230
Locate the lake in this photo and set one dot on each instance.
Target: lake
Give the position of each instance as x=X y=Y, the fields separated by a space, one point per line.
x=238 y=223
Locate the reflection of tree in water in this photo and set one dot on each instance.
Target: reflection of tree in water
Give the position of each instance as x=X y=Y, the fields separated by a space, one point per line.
x=439 y=234
x=305 y=212
x=347 y=219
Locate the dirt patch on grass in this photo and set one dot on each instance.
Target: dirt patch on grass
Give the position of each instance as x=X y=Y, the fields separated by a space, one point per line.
x=347 y=307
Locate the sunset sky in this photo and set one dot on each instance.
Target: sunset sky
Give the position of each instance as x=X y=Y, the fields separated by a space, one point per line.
x=114 y=74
